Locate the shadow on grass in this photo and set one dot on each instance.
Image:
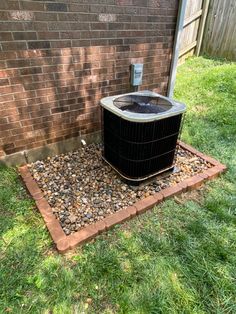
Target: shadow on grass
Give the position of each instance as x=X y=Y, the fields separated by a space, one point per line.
x=174 y=257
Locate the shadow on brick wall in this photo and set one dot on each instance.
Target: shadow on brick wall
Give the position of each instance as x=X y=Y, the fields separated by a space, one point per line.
x=55 y=93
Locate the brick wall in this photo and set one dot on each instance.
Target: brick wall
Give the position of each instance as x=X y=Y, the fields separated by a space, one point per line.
x=57 y=59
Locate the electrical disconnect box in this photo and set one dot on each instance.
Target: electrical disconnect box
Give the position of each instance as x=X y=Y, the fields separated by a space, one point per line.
x=136 y=74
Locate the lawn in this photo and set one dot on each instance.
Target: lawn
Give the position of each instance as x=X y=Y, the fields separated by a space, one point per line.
x=178 y=258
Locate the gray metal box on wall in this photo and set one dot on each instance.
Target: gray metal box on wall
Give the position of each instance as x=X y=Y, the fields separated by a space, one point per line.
x=136 y=74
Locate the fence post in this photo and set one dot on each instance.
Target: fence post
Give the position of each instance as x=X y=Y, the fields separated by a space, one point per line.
x=202 y=26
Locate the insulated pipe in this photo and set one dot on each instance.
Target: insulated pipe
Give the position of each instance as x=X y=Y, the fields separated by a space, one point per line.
x=177 y=41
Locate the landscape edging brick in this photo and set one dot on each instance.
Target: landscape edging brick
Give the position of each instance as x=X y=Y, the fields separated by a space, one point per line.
x=65 y=243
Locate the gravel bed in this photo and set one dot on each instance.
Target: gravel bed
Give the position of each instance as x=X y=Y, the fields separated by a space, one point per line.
x=81 y=188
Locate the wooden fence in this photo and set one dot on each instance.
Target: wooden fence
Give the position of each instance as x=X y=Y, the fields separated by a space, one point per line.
x=194 y=22
x=220 y=30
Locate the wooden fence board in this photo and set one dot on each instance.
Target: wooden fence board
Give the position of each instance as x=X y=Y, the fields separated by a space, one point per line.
x=220 y=31
x=189 y=34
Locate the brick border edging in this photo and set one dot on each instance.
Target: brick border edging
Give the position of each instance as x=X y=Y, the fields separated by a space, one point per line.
x=65 y=243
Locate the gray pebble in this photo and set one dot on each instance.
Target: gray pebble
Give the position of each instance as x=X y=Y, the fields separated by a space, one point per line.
x=82 y=189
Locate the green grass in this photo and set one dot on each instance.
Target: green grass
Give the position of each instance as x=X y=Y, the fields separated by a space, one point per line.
x=174 y=259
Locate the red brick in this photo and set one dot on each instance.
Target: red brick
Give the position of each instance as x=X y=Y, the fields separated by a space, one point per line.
x=8 y=55
x=48 y=35
x=44 y=16
x=203 y=175
x=158 y=197
x=132 y=211
x=16 y=45
x=3 y=120
x=171 y=191
x=212 y=172
x=100 y=226
x=31 y=70
x=38 y=196
x=24 y=172
x=5 y=36
x=82 y=236
x=117 y=218
x=222 y=168
x=194 y=182
x=24 y=35
x=45 y=210
x=183 y=185
x=11 y=89
x=32 y=6
x=32 y=186
x=145 y=204
x=57 y=7
x=56 y=231
x=63 y=245
x=9 y=5
x=39 y=44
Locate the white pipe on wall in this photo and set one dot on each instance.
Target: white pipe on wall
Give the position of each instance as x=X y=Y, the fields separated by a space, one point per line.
x=175 y=56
